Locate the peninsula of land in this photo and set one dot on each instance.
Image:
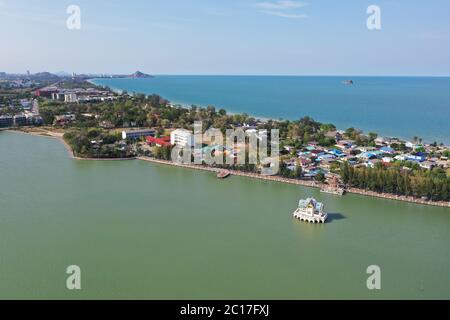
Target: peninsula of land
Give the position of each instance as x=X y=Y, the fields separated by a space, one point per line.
x=96 y=123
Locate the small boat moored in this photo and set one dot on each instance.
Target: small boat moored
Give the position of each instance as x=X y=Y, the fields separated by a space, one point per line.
x=223 y=174
x=310 y=210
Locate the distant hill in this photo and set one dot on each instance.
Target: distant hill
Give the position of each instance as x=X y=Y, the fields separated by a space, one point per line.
x=138 y=75
x=44 y=76
x=63 y=74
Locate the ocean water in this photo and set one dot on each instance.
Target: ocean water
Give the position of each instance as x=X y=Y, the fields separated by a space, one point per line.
x=392 y=106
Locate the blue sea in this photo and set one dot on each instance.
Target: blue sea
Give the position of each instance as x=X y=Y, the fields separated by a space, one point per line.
x=391 y=106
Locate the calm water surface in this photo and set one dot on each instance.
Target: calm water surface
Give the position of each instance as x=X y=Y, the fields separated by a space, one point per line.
x=140 y=230
x=393 y=106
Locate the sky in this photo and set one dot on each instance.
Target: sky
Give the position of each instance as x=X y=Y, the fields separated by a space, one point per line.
x=252 y=37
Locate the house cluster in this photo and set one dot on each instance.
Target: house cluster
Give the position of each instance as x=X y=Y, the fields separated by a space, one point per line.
x=64 y=119
x=29 y=114
x=19 y=120
x=25 y=104
x=16 y=84
x=79 y=95
x=180 y=137
x=315 y=159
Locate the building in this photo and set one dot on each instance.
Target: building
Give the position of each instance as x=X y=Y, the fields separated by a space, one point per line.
x=387 y=160
x=64 y=119
x=159 y=142
x=416 y=158
x=310 y=210
x=427 y=165
x=58 y=96
x=25 y=103
x=37 y=120
x=336 y=135
x=46 y=92
x=337 y=153
x=20 y=120
x=136 y=134
x=345 y=144
x=106 y=124
x=70 y=97
x=387 y=150
x=368 y=155
x=379 y=141
x=182 y=137
x=6 y=121
x=260 y=134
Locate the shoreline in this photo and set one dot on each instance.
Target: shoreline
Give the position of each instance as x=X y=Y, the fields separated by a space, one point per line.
x=49 y=134
x=304 y=183
x=265 y=119
x=184 y=105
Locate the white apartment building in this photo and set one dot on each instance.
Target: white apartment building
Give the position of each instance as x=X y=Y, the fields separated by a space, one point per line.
x=70 y=97
x=182 y=137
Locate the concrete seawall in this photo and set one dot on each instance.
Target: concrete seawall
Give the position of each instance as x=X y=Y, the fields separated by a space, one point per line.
x=311 y=184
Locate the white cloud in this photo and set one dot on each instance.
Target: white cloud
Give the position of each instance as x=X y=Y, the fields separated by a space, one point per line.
x=283 y=8
x=281 y=5
x=286 y=15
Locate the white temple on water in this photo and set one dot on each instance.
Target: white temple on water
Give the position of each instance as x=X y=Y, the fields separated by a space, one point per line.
x=310 y=210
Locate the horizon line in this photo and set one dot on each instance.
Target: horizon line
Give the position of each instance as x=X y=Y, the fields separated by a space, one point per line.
x=243 y=74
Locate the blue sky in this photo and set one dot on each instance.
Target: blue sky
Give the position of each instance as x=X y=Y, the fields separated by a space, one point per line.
x=311 y=37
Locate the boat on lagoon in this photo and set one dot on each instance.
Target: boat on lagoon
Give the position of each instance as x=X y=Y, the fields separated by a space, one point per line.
x=223 y=174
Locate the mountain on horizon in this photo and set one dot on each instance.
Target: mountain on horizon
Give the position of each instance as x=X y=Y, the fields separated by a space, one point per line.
x=63 y=74
x=47 y=76
x=139 y=74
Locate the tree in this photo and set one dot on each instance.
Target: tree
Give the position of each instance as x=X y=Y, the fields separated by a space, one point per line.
x=320 y=177
x=372 y=136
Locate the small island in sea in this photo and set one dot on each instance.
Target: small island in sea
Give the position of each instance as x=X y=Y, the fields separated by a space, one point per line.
x=140 y=75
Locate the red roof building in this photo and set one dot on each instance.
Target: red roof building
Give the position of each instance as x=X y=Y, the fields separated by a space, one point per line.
x=160 y=142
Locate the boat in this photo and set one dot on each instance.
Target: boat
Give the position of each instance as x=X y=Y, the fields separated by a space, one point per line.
x=310 y=210
x=348 y=82
x=223 y=174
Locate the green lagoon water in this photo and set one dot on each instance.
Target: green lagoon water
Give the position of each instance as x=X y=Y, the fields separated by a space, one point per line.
x=147 y=231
